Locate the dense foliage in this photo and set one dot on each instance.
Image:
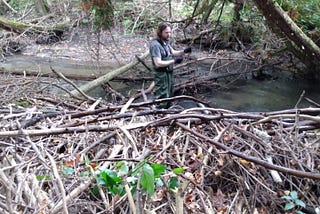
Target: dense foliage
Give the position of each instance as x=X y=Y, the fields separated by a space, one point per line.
x=138 y=16
x=305 y=14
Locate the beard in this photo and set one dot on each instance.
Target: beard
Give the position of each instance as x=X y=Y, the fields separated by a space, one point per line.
x=165 y=39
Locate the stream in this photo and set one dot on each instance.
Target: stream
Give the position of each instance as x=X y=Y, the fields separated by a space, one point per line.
x=282 y=91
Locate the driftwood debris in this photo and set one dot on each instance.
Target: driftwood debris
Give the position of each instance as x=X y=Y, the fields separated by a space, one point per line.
x=53 y=148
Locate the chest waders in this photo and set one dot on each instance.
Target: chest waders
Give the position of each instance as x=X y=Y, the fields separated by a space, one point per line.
x=164 y=82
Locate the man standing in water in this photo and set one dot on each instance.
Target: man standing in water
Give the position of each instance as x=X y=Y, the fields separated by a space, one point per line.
x=163 y=57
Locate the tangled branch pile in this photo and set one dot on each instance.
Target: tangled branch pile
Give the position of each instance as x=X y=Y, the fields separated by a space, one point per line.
x=64 y=155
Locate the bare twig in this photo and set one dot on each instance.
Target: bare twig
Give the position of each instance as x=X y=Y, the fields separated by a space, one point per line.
x=298 y=173
x=60 y=184
x=72 y=84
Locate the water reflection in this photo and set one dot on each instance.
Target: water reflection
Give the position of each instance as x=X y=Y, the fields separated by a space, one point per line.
x=282 y=92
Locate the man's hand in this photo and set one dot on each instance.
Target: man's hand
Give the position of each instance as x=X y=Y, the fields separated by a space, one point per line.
x=178 y=59
x=187 y=50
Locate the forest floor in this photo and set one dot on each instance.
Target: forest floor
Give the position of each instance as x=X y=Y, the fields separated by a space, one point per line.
x=83 y=47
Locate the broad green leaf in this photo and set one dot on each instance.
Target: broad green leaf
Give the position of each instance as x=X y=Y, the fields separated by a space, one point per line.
x=147 y=179
x=110 y=172
x=101 y=181
x=39 y=177
x=118 y=190
x=95 y=190
x=111 y=181
x=178 y=170
x=158 y=169
x=120 y=163
x=110 y=178
x=289 y=206
x=67 y=170
x=123 y=170
x=159 y=182
x=300 y=203
x=294 y=195
x=107 y=179
x=173 y=183
x=286 y=198
x=299 y=212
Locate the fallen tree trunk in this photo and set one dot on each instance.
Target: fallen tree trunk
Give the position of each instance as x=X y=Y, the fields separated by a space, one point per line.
x=303 y=47
x=107 y=77
x=20 y=27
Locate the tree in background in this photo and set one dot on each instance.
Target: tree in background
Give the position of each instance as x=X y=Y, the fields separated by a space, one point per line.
x=297 y=21
x=102 y=10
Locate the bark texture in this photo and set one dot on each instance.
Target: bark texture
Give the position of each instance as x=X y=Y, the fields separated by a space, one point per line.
x=107 y=77
x=20 y=27
x=304 y=48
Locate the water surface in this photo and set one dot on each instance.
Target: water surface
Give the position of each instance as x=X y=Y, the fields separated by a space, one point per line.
x=282 y=91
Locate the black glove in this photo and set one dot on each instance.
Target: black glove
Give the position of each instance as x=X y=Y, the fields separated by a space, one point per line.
x=187 y=50
x=178 y=59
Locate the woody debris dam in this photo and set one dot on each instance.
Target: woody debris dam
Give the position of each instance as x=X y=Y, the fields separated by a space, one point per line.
x=62 y=154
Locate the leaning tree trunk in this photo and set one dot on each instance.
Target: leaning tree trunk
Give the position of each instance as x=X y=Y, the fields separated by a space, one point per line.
x=303 y=47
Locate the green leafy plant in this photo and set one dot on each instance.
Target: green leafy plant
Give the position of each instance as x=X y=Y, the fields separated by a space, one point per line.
x=293 y=202
x=18 y=5
x=43 y=177
x=112 y=181
x=148 y=175
x=148 y=178
x=23 y=103
x=305 y=13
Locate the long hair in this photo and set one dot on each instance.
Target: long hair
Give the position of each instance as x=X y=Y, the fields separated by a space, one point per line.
x=161 y=27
